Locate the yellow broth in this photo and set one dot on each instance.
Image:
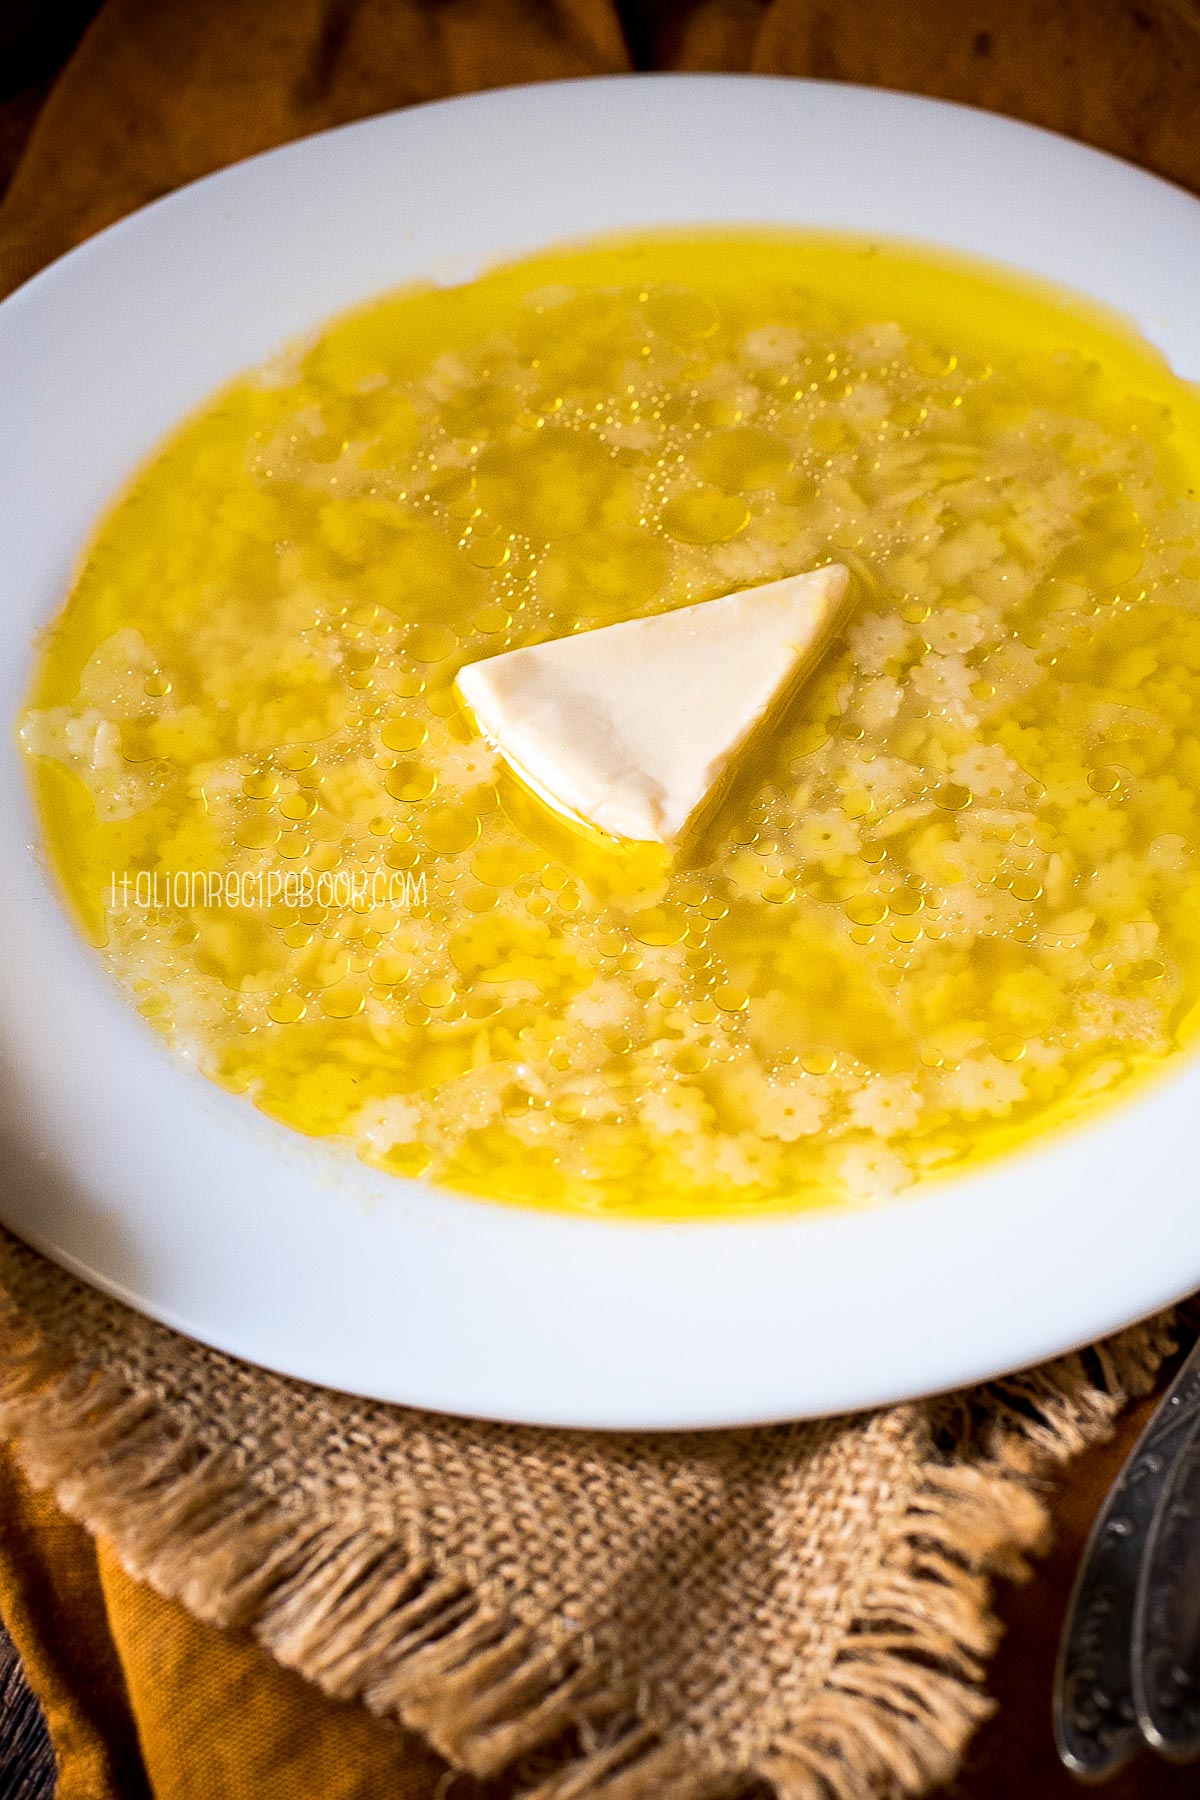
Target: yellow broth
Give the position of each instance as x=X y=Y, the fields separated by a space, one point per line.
x=950 y=896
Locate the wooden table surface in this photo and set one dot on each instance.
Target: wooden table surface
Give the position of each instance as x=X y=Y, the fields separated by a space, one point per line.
x=26 y=1755
x=35 y=39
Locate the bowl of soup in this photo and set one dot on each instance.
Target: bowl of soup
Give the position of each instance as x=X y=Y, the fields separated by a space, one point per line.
x=338 y=1038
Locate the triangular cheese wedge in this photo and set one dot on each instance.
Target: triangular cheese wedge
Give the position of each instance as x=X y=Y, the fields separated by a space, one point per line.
x=628 y=728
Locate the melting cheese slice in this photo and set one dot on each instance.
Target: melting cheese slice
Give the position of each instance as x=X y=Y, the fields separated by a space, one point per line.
x=628 y=728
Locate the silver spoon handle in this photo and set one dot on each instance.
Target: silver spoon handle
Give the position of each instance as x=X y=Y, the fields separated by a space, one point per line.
x=1095 y=1711
x=1166 y=1624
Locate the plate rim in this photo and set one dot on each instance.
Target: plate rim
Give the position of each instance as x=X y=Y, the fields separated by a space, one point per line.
x=589 y=1391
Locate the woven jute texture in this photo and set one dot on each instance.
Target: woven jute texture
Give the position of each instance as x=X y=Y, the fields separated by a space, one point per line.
x=637 y=1616
x=802 y=1610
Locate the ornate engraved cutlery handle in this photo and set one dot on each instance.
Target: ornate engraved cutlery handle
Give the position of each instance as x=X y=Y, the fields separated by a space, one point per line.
x=1096 y=1710
x=1166 y=1625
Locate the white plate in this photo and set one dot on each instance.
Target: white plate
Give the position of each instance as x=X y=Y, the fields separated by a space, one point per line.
x=180 y=1199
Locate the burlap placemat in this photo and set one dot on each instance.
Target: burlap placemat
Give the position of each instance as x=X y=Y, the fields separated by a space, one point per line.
x=630 y=1617
x=611 y=1618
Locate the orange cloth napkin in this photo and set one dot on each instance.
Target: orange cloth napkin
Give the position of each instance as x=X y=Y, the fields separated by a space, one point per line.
x=141 y=1699
x=146 y=1703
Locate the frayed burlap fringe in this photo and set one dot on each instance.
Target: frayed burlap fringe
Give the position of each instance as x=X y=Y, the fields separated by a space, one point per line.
x=885 y=1601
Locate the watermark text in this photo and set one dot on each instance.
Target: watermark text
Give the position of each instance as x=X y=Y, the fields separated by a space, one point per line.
x=338 y=890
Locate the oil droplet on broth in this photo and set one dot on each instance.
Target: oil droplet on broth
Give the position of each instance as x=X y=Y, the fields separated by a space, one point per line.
x=743 y=459
x=404 y=733
x=449 y=830
x=430 y=643
x=932 y=902
x=681 y=316
x=410 y=782
x=488 y=552
x=705 y=516
x=658 y=926
x=258 y=833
